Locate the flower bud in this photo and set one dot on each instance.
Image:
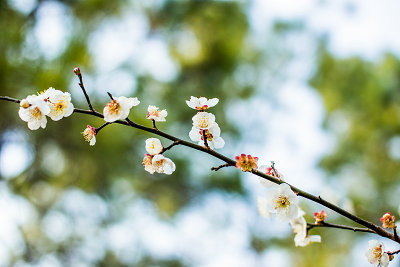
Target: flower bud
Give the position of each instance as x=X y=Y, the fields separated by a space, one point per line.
x=320 y=216
x=77 y=71
x=246 y=163
x=24 y=103
x=388 y=220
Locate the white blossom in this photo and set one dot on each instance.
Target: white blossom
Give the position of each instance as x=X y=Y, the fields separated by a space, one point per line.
x=35 y=112
x=201 y=103
x=214 y=140
x=299 y=226
x=154 y=114
x=119 y=107
x=162 y=164
x=148 y=163
x=262 y=203
x=154 y=146
x=90 y=135
x=283 y=201
x=59 y=103
x=376 y=254
x=204 y=121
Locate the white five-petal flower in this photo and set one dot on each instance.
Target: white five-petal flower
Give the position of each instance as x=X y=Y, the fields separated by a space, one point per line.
x=119 y=107
x=148 y=163
x=90 y=135
x=59 y=103
x=299 y=226
x=154 y=146
x=283 y=201
x=204 y=121
x=214 y=140
x=376 y=254
x=201 y=103
x=154 y=114
x=34 y=112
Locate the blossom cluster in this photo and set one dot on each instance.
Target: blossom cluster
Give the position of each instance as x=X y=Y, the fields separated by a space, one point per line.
x=52 y=103
x=205 y=130
x=154 y=161
x=283 y=202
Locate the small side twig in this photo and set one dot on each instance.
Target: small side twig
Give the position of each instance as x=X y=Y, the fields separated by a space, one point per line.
x=102 y=126
x=339 y=226
x=394 y=252
x=205 y=139
x=273 y=169
x=110 y=95
x=84 y=91
x=154 y=124
x=10 y=99
x=220 y=167
x=175 y=143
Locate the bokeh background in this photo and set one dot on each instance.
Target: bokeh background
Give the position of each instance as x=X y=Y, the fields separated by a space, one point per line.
x=313 y=85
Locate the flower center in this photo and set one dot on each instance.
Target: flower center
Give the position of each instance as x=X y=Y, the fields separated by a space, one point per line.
x=36 y=113
x=203 y=122
x=282 y=202
x=147 y=160
x=88 y=134
x=153 y=113
x=377 y=252
x=202 y=108
x=113 y=106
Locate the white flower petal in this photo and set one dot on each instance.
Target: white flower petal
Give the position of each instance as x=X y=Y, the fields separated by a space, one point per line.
x=154 y=146
x=218 y=142
x=195 y=135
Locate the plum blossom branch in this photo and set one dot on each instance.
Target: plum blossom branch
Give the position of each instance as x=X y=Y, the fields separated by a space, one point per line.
x=375 y=228
x=283 y=201
x=338 y=226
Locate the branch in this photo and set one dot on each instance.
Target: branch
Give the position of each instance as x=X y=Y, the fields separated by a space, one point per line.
x=221 y=166
x=154 y=124
x=175 y=143
x=374 y=228
x=339 y=226
x=6 y=98
x=102 y=126
x=79 y=74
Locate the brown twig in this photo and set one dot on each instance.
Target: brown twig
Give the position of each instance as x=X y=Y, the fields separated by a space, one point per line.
x=175 y=143
x=394 y=252
x=339 y=226
x=221 y=166
x=203 y=132
x=110 y=95
x=154 y=124
x=102 y=126
x=6 y=98
x=84 y=92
